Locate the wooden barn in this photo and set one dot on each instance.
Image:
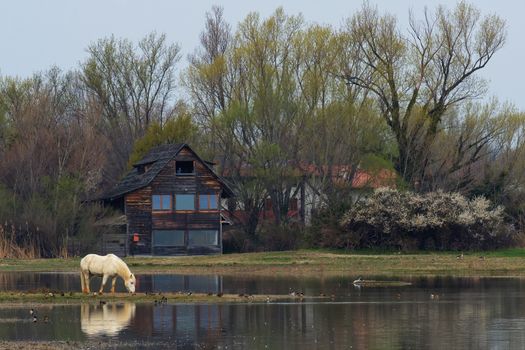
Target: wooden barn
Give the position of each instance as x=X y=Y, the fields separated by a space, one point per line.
x=172 y=204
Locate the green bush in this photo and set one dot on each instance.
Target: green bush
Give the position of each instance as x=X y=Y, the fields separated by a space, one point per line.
x=235 y=240
x=269 y=237
x=325 y=230
x=279 y=237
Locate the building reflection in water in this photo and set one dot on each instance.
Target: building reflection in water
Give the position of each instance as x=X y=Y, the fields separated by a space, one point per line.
x=179 y=283
x=107 y=319
x=66 y=282
x=186 y=321
x=470 y=313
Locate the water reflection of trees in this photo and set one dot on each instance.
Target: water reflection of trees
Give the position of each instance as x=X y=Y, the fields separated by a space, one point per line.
x=107 y=319
x=470 y=313
x=467 y=315
x=38 y=281
x=67 y=282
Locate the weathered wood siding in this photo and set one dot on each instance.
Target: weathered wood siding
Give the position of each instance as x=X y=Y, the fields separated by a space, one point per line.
x=138 y=212
x=143 y=220
x=114 y=243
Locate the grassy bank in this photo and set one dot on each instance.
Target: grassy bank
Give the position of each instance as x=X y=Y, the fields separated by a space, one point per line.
x=509 y=262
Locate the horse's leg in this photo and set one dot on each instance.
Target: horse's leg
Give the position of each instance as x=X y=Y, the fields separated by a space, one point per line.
x=113 y=281
x=82 y=282
x=104 y=280
x=84 y=279
x=87 y=279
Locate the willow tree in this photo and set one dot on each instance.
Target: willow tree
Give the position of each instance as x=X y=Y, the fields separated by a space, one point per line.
x=417 y=76
x=277 y=116
x=265 y=120
x=244 y=91
x=342 y=127
x=208 y=81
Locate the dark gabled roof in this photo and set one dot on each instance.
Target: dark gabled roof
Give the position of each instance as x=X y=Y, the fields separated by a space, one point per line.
x=134 y=180
x=160 y=153
x=157 y=157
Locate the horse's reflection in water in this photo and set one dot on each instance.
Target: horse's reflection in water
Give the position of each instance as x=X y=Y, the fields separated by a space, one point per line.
x=108 y=319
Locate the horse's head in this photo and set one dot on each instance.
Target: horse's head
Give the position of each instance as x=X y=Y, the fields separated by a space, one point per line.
x=130 y=283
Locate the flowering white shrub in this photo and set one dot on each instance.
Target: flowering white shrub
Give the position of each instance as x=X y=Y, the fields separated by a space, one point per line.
x=437 y=220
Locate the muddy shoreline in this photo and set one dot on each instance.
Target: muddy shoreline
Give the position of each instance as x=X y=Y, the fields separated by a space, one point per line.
x=81 y=345
x=57 y=298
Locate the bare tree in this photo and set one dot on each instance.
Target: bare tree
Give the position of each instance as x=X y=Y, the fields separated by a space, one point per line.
x=134 y=84
x=471 y=137
x=207 y=77
x=50 y=161
x=416 y=78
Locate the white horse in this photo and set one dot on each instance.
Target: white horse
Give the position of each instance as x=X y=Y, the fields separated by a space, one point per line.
x=105 y=266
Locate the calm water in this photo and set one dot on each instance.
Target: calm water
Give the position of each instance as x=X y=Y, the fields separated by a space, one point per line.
x=469 y=313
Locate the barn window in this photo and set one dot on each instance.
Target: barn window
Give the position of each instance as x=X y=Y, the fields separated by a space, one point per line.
x=208 y=201
x=184 y=167
x=202 y=237
x=168 y=238
x=185 y=202
x=161 y=202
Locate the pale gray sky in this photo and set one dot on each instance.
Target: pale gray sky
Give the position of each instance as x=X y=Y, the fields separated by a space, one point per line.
x=36 y=34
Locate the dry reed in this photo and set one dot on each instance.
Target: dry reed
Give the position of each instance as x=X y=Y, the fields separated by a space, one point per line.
x=10 y=249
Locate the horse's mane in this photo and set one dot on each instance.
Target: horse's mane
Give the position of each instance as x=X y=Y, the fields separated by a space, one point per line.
x=122 y=269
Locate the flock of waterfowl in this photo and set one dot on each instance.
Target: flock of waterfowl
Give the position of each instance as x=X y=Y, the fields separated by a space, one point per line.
x=34 y=316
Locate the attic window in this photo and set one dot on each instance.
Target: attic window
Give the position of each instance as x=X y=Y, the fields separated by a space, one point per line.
x=184 y=168
x=141 y=169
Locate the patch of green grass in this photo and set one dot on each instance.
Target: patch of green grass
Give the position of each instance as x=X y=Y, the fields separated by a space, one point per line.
x=277 y=259
x=379 y=251
x=310 y=263
x=506 y=253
